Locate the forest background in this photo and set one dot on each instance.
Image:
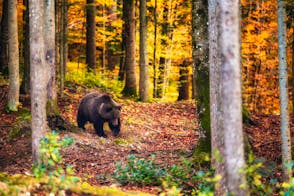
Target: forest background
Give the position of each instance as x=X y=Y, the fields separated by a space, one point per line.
x=173 y=46
x=169 y=49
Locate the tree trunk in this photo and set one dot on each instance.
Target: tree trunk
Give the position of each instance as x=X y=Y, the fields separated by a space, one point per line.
x=292 y=67
x=103 y=37
x=217 y=135
x=39 y=75
x=65 y=35
x=112 y=46
x=4 y=38
x=122 y=71
x=63 y=43
x=162 y=59
x=49 y=38
x=130 y=37
x=228 y=23
x=144 y=72
x=201 y=74
x=13 y=52
x=154 y=52
x=285 y=129
x=293 y=70
x=25 y=85
x=58 y=60
x=91 y=35
x=61 y=53
x=184 y=81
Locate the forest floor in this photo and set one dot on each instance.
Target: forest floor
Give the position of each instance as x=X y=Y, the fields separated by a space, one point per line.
x=167 y=130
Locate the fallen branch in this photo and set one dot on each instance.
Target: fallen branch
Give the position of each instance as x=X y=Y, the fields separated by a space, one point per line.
x=148 y=127
x=6 y=126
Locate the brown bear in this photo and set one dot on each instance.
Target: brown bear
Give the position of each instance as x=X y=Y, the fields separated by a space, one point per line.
x=98 y=108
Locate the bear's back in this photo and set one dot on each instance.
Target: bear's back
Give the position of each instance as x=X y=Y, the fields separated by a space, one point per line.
x=90 y=101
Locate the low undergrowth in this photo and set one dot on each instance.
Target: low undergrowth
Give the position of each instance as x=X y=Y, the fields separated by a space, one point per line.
x=50 y=175
x=186 y=179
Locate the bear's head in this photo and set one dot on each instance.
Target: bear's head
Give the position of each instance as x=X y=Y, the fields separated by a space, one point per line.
x=109 y=110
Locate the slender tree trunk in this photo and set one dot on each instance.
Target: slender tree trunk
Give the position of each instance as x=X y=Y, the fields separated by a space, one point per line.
x=104 y=37
x=130 y=37
x=285 y=129
x=49 y=38
x=201 y=73
x=58 y=59
x=228 y=22
x=65 y=35
x=13 y=56
x=39 y=75
x=293 y=70
x=4 y=38
x=112 y=46
x=216 y=118
x=154 y=52
x=61 y=48
x=164 y=45
x=25 y=85
x=61 y=38
x=184 y=81
x=91 y=35
x=122 y=71
x=144 y=72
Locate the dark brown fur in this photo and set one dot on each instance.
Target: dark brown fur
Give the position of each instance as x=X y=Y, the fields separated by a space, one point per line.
x=98 y=108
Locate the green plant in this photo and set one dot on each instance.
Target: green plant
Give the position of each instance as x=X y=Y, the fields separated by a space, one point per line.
x=287 y=188
x=191 y=180
x=21 y=124
x=50 y=169
x=138 y=172
x=105 y=81
x=257 y=169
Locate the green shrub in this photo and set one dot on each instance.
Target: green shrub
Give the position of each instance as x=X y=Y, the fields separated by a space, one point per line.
x=105 y=81
x=50 y=169
x=178 y=177
x=138 y=172
x=191 y=180
x=287 y=188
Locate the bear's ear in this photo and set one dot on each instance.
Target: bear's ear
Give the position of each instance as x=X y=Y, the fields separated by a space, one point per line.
x=106 y=98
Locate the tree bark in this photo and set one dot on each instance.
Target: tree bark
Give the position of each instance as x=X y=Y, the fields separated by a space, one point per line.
x=283 y=79
x=4 y=38
x=91 y=35
x=64 y=35
x=49 y=38
x=164 y=44
x=217 y=135
x=61 y=53
x=228 y=23
x=25 y=85
x=130 y=37
x=293 y=70
x=112 y=46
x=154 y=52
x=13 y=56
x=184 y=82
x=144 y=72
x=39 y=75
x=201 y=74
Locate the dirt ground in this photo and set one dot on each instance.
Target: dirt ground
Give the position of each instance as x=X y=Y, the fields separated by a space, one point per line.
x=166 y=130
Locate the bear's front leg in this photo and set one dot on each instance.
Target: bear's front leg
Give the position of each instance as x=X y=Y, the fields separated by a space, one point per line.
x=99 y=128
x=81 y=121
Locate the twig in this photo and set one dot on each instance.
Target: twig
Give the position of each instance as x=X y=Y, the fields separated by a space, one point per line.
x=6 y=126
x=148 y=127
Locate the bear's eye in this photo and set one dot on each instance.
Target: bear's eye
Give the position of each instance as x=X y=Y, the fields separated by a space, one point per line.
x=108 y=109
